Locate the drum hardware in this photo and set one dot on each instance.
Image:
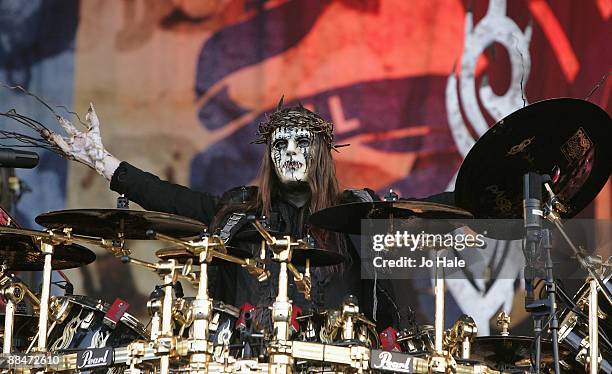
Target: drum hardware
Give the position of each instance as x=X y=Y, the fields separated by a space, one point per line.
x=165 y=341
x=154 y=308
x=503 y=321
x=417 y=339
x=564 y=137
x=575 y=326
x=457 y=339
x=13 y=292
x=217 y=250
x=350 y=316
x=594 y=358
x=182 y=315
x=551 y=213
x=199 y=311
x=281 y=359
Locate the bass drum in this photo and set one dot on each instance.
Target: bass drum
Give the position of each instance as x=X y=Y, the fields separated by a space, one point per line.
x=78 y=323
x=574 y=330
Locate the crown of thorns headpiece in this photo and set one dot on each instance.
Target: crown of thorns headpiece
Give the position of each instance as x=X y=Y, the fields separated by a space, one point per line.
x=297 y=116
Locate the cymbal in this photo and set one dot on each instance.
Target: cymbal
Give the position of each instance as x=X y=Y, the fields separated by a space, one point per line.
x=318 y=257
x=503 y=351
x=346 y=218
x=182 y=254
x=114 y=223
x=568 y=139
x=20 y=253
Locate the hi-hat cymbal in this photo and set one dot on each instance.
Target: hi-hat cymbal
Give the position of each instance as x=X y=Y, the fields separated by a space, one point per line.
x=346 y=218
x=114 y=223
x=501 y=352
x=568 y=139
x=182 y=254
x=20 y=253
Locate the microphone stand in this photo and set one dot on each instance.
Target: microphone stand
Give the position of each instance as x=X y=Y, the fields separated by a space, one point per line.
x=551 y=290
x=551 y=214
x=532 y=215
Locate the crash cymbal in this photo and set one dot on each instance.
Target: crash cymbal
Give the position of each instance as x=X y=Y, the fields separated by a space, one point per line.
x=182 y=254
x=511 y=351
x=114 y=223
x=318 y=257
x=568 y=139
x=346 y=218
x=20 y=253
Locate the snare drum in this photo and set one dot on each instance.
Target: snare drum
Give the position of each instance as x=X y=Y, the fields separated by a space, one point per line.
x=78 y=323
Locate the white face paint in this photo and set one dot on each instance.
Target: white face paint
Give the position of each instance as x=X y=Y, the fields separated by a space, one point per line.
x=290 y=151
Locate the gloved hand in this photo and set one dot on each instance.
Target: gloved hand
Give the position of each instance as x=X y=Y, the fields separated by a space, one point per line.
x=85 y=147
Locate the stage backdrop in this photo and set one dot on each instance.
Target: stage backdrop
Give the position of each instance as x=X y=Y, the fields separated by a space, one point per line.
x=180 y=86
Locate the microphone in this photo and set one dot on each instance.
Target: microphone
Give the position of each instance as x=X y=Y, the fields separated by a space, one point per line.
x=12 y=158
x=532 y=215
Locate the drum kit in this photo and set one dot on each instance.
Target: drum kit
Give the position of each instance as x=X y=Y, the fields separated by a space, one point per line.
x=560 y=143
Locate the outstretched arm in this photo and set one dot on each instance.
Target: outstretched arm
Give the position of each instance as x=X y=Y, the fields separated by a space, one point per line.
x=152 y=193
x=143 y=188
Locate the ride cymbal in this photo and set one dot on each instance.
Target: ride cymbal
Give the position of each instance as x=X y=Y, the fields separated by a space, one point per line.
x=568 y=139
x=346 y=218
x=120 y=223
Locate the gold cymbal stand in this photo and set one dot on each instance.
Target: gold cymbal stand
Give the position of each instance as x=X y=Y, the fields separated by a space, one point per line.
x=165 y=341
x=281 y=357
x=13 y=292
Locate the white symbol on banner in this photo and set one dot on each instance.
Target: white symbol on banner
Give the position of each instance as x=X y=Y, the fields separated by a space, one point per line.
x=461 y=94
x=494 y=27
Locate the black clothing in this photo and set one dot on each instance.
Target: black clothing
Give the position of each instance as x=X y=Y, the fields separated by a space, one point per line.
x=232 y=284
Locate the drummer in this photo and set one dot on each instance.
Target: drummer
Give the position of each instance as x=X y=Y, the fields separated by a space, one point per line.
x=297 y=177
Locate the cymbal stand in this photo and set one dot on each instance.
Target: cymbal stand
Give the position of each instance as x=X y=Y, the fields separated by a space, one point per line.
x=202 y=308
x=439 y=314
x=551 y=291
x=165 y=341
x=13 y=292
x=551 y=214
x=154 y=307
x=281 y=358
x=47 y=249
x=11 y=297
